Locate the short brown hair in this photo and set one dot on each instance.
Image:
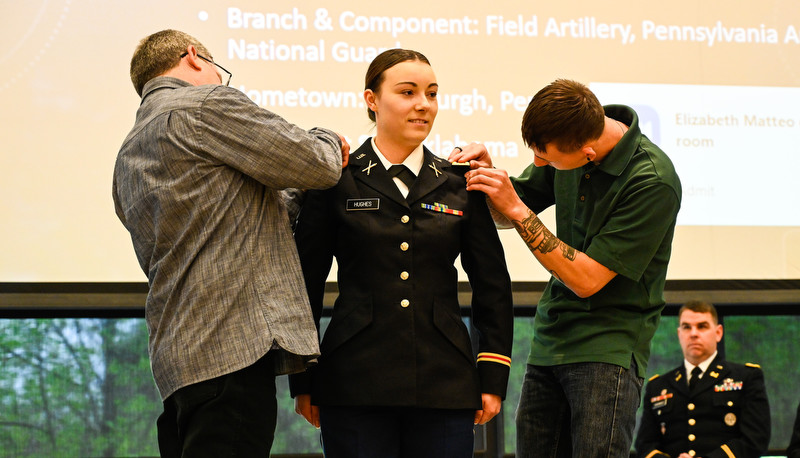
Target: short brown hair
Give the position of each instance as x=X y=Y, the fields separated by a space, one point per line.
x=700 y=307
x=384 y=61
x=565 y=112
x=158 y=53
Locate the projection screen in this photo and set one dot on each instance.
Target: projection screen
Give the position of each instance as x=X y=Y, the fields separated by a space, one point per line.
x=714 y=82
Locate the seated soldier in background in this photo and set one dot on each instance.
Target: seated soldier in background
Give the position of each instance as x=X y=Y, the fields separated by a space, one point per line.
x=707 y=407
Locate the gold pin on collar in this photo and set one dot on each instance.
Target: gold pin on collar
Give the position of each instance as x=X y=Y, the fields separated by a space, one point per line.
x=369 y=167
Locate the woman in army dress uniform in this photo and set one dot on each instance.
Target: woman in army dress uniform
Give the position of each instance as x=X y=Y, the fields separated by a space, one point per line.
x=398 y=375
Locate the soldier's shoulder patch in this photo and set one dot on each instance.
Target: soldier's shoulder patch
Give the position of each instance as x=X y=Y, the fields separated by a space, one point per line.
x=752 y=365
x=654 y=377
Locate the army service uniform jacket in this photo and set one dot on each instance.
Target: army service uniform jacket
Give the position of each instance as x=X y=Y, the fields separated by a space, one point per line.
x=726 y=415
x=396 y=336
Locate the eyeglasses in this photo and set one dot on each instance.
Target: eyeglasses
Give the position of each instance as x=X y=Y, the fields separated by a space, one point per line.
x=230 y=75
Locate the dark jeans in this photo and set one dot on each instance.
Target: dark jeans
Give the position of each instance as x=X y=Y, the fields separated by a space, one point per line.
x=394 y=432
x=581 y=410
x=231 y=415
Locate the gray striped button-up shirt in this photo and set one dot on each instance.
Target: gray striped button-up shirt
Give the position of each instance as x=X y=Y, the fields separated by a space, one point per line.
x=196 y=183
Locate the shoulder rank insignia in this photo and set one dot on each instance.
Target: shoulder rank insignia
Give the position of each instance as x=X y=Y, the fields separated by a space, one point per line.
x=653 y=378
x=752 y=365
x=460 y=167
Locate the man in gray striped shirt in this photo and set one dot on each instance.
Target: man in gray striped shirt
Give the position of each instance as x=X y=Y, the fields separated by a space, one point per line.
x=197 y=184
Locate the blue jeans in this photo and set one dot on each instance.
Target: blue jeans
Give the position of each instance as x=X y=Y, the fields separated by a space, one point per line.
x=580 y=410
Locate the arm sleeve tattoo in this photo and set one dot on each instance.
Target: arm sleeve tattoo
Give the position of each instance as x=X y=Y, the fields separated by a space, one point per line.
x=532 y=229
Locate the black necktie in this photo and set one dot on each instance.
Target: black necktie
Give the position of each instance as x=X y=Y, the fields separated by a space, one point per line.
x=402 y=172
x=695 y=378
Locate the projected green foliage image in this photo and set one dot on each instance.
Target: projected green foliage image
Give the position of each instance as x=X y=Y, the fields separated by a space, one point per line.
x=83 y=387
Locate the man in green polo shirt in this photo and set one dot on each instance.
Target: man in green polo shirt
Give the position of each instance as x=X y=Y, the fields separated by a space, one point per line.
x=617 y=197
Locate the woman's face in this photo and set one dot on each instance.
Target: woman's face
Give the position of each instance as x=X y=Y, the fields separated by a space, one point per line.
x=405 y=104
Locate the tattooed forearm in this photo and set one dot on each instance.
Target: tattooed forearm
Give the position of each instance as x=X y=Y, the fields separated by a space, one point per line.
x=531 y=229
x=568 y=251
x=500 y=221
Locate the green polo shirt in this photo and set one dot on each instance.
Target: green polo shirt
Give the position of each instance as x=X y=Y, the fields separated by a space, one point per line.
x=622 y=214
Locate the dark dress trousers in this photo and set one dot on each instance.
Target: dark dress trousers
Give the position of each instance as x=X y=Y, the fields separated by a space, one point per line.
x=725 y=415
x=793 y=451
x=396 y=337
